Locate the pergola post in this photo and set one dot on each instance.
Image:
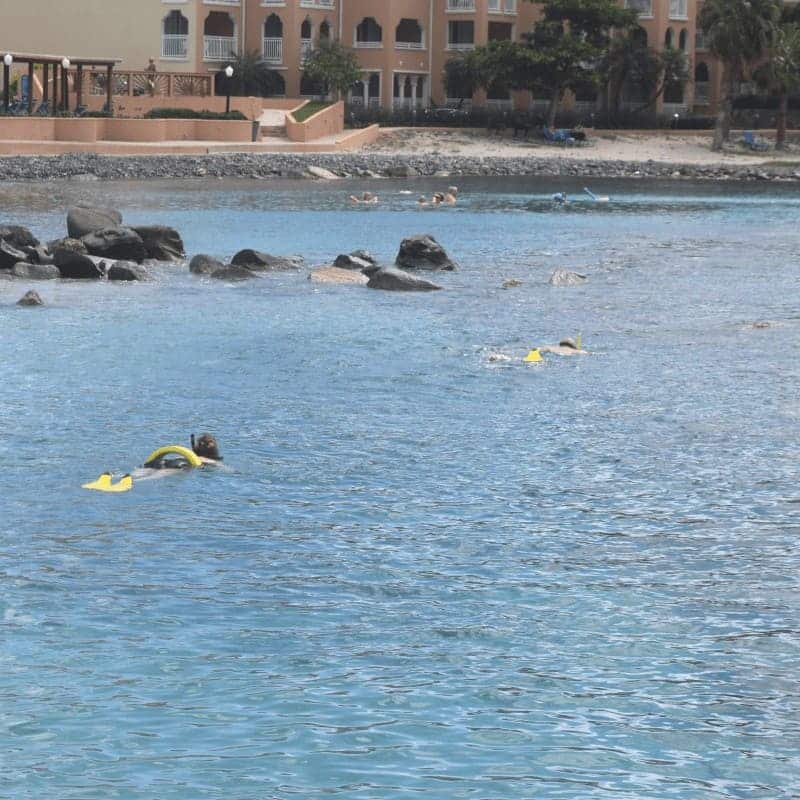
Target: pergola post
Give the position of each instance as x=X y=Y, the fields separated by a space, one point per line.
x=31 y=76
x=109 y=88
x=45 y=83
x=65 y=87
x=6 y=87
x=79 y=88
x=56 y=96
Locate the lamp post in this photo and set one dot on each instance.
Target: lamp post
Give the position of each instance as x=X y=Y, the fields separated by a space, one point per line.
x=8 y=60
x=228 y=76
x=65 y=83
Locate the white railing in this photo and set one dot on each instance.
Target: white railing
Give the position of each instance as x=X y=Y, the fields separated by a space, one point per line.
x=500 y=105
x=460 y=5
x=699 y=40
x=410 y=45
x=273 y=50
x=702 y=94
x=174 y=45
x=367 y=45
x=218 y=48
x=306 y=46
x=222 y=2
x=644 y=7
x=503 y=6
x=273 y=2
x=678 y=9
x=461 y=45
x=316 y=3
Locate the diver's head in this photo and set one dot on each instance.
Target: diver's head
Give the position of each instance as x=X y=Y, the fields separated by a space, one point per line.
x=206 y=447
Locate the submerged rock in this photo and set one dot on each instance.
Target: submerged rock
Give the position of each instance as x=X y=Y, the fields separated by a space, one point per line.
x=233 y=272
x=258 y=261
x=337 y=275
x=423 y=252
x=161 y=242
x=83 y=220
x=396 y=280
x=127 y=271
x=30 y=298
x=205 y=265
x=36 y=272
x=510 y=283
x=565 y=277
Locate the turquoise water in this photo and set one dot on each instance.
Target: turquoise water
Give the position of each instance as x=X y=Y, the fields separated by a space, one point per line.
x=423 y=573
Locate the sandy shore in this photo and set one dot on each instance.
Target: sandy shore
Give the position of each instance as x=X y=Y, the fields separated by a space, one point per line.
x=601 y=146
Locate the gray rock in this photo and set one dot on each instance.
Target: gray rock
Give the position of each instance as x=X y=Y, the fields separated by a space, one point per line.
x=36 y=272
x=118 y=243
x=365 y=255
x=83 y=220
x=17 y=236
x=10 y=255
x=161 y=242
x=351 y=262
x=127 y=271
x=78 y=265
x=261 y=262
x=38 y=254
x=205 y=265
x=423 y=252
x=336 y=275
x=395 y=280
x=30 y=298
x=564 y=277
x=402 y=171
x=68 y=243
x=233 y=272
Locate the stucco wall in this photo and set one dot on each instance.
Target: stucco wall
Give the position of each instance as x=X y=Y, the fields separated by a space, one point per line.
x=327 y=122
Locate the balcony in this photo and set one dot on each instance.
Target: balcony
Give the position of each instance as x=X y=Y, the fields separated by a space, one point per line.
x=502 y=6
x=174 y=46
x=218 y=48
x=273 y=50
x=306 y=47
x=460 y=5
x=368 y=44
x=316 y=3
x=410 y=45
x=678 y=9
x=461 y=46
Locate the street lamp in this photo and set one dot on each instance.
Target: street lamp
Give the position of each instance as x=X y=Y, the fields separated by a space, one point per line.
x=8 y=60
x=228 y=76
x=64 y=83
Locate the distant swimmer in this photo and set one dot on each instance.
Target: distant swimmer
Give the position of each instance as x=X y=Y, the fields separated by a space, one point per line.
x=422 y=201
x=367 y=198
x=204 y=452
x=437 y=199
x=560 y=198
x=598 y=198
x=451 y=195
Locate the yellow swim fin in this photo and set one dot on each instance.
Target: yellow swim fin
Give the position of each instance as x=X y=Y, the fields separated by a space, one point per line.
x=578 y=342
x=124 y=484
x=101 y=484
x=533 y=357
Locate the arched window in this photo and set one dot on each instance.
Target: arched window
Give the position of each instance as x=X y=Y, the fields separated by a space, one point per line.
x=325 y=30
x=369 y=32
x=306 y=29
x=218 y=23
x=175 y=24
x=668 y=38
x=310 y=87
x=683 y=39
x=409 y=34
x=701 y=74
x=273 y=27
x=639 y=35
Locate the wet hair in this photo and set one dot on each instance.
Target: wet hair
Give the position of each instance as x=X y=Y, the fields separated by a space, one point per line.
x=452 y=190
x=206 y=447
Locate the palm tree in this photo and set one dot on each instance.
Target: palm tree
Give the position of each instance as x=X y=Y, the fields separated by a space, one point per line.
x=781 y=74
x=739 y=33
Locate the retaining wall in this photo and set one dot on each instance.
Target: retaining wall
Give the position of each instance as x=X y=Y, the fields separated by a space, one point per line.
x=326 y=122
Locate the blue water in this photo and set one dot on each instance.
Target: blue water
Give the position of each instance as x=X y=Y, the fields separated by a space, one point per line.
x=424 y=573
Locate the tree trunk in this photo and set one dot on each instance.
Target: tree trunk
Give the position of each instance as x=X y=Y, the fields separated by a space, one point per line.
x=780 y=127
x=552 y=109
x=722 y=128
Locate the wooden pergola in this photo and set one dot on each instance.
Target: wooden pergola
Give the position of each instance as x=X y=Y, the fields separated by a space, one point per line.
x=62 y=65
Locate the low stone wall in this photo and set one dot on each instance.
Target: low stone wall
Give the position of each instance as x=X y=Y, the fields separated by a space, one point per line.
x=138 y=106
x=100 y=129
x=326 y=122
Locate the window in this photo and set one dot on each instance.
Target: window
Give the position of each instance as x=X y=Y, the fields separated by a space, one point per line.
x=408 y=35
x=683 y=39
x=678 y=9
x=644 y=7
x=460 y=35
x=369 y=33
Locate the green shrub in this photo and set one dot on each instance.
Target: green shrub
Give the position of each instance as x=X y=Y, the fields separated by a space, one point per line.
x=188 y=113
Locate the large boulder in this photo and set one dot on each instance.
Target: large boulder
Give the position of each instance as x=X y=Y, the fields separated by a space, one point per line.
x=351 y=261
x=36 y=272
x=67 y=243
x=38 y=254
x=30 y=298
x=205 y=265
x=337 y=275
x=118 y=243
x=127 y=271
x=10 y=255
x=423 y=252
x=161 y=242
x=261 y=262
x=565 y=277
x=233 y=272
x=83 y=220
x=17 y=236
x=396 y=280
x=72 y=264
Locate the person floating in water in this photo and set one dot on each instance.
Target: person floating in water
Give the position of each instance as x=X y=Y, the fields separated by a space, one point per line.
x=451 y=195
x=422 y=201
x=560 y=198
x=367 y=198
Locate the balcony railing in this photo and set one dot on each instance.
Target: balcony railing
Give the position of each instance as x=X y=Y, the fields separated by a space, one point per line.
x=368 y=44
x=644 y=7
x=503 y=6
x=316 y=3
x=218 y=48
x=678 y=9
x=174 y=45
x=306 y=46
x=142 y=83
x=410 y=45
x=461 y=45
x=702 y=93
x=273 y=50
x=460 y=5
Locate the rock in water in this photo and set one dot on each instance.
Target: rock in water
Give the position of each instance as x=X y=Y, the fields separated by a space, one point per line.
x=36 y=272
x=17 y=236
x=364 y=255
x=395 y=280
x=10 y=255
x=351 y=262
x=338 y=276
x=262 y=262
x=510 y=283
x=75 y=245
x=564 y=277
x=423 y=252
x=77 y=265
x=82 y=220
x=233 y=272
x=205 y=265
x=321 y=172
x=30 y=298
x=161 y=242
x=116 y=243
x=127 y=271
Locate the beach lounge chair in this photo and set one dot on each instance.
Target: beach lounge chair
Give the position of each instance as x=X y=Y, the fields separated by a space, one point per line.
x=752 y=142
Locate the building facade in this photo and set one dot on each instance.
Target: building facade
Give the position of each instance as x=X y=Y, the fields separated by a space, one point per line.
x=402 y=45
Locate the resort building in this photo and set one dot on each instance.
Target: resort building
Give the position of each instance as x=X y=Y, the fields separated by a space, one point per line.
x=402 y=45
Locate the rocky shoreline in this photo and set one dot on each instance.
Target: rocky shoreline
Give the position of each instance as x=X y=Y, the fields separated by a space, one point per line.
x=90 y=167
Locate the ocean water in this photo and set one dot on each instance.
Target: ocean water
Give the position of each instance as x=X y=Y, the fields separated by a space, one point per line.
x=422 y=572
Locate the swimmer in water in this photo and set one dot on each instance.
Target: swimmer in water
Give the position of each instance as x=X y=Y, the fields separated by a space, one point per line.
x=367 y=198
x=422 y=201
x=560 y=198
x=451 y=195
x=204 y=447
